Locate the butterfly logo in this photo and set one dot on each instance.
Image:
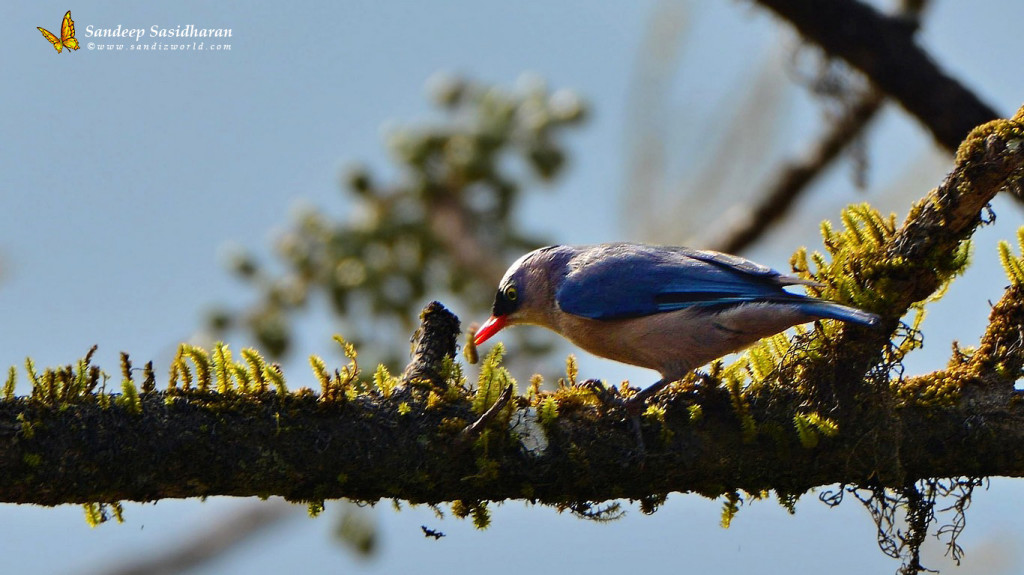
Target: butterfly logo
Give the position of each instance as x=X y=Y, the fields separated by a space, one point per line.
x=67 y=34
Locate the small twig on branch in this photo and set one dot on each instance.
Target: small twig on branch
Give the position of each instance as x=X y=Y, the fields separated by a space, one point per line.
x=435 y=340
x=471 y=431
x=988 y=374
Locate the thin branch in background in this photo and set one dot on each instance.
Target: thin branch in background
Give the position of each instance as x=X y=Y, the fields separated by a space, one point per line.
x=882 y=61
x=211 y=542
x=742 y=225
x=745 y=223
x=885 y=50
x=746 y=130
x=735 y=135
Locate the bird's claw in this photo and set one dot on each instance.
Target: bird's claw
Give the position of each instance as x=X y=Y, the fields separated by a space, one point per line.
x=634 y=406
x=608 y=396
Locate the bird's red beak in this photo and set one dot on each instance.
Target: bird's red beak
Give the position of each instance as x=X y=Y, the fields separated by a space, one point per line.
x=490 y=327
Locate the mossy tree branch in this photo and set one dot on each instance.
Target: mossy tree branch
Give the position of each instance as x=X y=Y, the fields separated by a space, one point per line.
x=821 y=409
x=292 y=446
x=201 y=443
x=922 y=254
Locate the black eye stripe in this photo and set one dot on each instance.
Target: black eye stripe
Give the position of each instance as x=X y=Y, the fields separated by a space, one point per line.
x=506 y=301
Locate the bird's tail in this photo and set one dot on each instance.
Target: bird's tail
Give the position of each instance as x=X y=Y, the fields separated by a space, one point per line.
x=832 y=310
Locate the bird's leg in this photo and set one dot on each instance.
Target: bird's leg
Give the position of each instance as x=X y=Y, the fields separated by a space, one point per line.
x=635 y=407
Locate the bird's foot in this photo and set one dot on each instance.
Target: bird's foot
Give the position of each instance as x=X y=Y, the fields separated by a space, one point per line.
x=637 y=403
x=635 y=406
x=610 y=397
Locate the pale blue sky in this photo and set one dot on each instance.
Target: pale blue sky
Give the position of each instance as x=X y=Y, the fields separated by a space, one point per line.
x=123 y=174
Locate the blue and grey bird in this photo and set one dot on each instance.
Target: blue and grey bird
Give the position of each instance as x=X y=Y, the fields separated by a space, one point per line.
x=670 y=309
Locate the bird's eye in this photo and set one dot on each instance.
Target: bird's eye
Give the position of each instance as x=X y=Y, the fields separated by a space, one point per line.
x=511 y=293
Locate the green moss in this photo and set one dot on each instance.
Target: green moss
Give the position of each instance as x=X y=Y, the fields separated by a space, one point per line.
x=275 y=376
x=257 y=369
x=201 y=359
x=459 y=509
x=730 y=508
x=93 y=515
x=26 y=427
x=741 y=408
x=656 y=414
x=548 y=411
x=129 y=399
x=98 y=513
x=696 y=413
x=243 y=377
x=536 y=382
x=487 y=469
x=936 y=389
x=451 y=425
x=481 y=516
x=492 y=381
x=434 y=400
x=149 y=381
x=30 y=369
x=222 y=366
x=810 y=427
x=451 y=373
x=808 y=438
x=12 y=380
x=349 y=374
x=974 y=145
x=572 y=370
x=322 y=375
x=1013 y=265
x=315 y=508
x=384 y=381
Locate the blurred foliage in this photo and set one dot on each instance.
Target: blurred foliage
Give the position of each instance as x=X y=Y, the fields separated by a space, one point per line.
x=443 y=228
x=357 y=530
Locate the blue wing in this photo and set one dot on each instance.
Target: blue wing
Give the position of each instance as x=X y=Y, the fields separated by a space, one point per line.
x=614 y=281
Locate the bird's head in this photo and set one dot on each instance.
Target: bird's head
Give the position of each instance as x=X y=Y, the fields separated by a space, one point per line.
x=527 y=292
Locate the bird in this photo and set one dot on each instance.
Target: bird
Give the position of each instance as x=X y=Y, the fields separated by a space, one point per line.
x=670 y=309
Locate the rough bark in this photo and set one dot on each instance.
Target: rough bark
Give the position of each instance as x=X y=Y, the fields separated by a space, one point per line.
x=202 y=445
